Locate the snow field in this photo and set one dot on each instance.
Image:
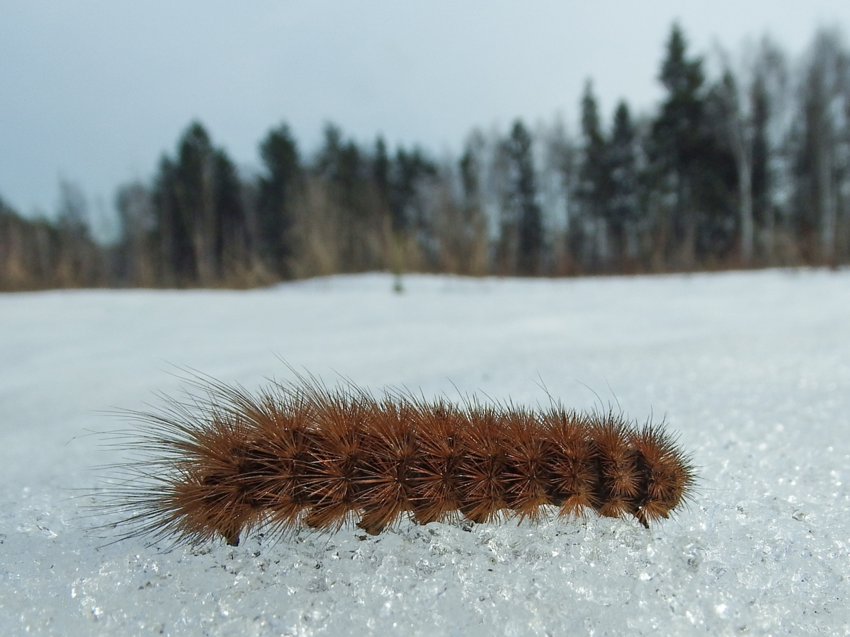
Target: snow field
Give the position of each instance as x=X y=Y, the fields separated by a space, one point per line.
x=752 y=369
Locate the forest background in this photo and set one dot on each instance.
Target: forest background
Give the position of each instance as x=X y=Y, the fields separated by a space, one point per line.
x=748 y=167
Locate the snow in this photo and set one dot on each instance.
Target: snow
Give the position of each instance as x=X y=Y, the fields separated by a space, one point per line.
x=752 y=369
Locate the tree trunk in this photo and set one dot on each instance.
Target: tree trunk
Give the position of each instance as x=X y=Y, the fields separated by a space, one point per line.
x=745 y=193
x=827 y=202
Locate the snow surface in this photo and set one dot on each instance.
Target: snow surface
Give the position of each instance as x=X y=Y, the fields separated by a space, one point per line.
x=753 y=370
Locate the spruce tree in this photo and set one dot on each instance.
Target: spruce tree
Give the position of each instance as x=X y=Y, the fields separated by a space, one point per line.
x=523 y=195
x=622 y=208
x=381 y=172
x=278 y=188
x=593 y=186
x=200 y=217
x=345 y=168
x=677 y=139
x=411 y=169
x=345 y=172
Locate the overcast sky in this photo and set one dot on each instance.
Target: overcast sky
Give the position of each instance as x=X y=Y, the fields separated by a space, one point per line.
x=94 y=91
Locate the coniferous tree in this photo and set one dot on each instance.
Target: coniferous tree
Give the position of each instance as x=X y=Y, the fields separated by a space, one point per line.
x=718 y=215
x=345 y=173
x=622 y=208
x=761 y=181
x=278 y=189
x=400 y=181
x=735 y=161
x=593 y=187
x=523 y=201
x=409 y=172
x=232 y=247
x=345 y=168
x=677 y=141
x=469 y=179
x=200 y=220
x=185 y=216
x=381 y=172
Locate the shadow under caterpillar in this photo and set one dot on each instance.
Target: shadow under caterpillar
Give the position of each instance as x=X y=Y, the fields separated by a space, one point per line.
x=304 y=455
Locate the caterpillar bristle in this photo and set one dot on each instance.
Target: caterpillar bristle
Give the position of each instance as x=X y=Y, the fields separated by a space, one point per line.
x=436 y=475
x=303 y=455
x=528 y=476
x=572 y=462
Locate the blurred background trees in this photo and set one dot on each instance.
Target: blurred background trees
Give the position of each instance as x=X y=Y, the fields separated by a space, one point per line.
x=745 y=162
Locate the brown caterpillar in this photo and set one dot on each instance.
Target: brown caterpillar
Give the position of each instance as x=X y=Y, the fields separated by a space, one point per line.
x=303 y=455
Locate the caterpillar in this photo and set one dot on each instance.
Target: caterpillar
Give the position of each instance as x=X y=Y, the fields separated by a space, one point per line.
x=302 y=455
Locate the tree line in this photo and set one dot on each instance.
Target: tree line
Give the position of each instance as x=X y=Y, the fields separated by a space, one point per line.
x=748 y=166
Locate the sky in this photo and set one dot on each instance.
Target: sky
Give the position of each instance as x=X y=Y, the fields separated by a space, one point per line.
x=95 y=91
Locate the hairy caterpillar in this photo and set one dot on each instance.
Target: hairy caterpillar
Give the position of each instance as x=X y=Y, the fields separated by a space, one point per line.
x=301 y=454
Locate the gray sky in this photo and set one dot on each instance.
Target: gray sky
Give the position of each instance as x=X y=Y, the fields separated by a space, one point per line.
x=94 y=91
